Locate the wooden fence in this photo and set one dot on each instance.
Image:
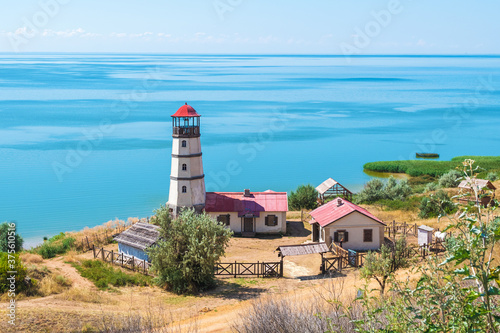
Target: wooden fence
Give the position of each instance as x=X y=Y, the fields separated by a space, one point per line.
x=393 y=228
x=123 y=260
x=259 y=269
x=104 y=237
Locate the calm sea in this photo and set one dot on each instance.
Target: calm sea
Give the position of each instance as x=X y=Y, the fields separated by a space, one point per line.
x=85 y=138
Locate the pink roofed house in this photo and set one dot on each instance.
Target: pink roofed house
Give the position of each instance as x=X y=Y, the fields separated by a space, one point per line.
x=341 y=221
x=249 y=212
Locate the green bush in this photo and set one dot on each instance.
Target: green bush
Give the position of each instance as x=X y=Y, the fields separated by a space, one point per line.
x=188 y=249
x=11 y=262
x=58 y=244
x=375 y=190
x=431 y=187
x=435 y=205
x=410 y=204
x=104 y=275
x=492 y=176
x=5 y=232
x=450 y=179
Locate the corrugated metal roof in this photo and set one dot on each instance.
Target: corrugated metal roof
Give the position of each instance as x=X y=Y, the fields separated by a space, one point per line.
x=324 y=186
x=332 y=212
x=140 y=235
x=253 y=204
x=478 y=183
x=298 y=250
x=186 y=111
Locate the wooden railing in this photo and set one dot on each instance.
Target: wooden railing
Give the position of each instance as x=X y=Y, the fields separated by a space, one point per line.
x=123 y=260
x=259 y=269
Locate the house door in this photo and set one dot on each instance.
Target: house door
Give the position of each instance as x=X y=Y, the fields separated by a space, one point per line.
x=248 y=224
x=315 y=232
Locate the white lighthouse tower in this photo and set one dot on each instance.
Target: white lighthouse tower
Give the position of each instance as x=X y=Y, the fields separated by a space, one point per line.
x=187 y=183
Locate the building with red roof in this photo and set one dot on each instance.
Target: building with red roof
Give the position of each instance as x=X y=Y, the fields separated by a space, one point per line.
x=249 y=212
x=347 y=224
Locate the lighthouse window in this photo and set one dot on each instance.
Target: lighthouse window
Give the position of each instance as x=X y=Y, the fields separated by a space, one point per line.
x=184 y=189
x=184 y=143
x=184 y=167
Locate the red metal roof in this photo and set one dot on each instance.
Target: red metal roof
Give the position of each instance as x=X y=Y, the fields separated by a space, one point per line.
x=186 y=111
x=332 y=212
x=254 y=204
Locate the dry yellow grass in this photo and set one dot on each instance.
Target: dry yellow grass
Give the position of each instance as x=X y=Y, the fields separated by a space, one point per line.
x=85 y=296
x=53 y=284
x=31 y=258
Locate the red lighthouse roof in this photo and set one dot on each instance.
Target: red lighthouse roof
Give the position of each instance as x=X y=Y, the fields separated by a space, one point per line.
x=186 y=111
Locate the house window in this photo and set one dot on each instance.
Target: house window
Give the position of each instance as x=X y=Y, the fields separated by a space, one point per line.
x=184 y=143
x=184 y=189
x=184 y=167
x=271 y=220
x=340 y=236
x=368 y=235
x=224 y=219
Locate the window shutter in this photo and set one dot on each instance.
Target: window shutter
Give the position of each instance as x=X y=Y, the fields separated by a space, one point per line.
x=267 y=220
x=336 y=237
x=227 y=220
x=275 y=220
x=346 y=236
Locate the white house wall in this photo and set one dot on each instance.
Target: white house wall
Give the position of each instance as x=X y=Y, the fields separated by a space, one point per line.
x=259 y=222
x=354 y=224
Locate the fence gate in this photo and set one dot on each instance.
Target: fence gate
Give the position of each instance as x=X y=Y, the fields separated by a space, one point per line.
x=351 y=257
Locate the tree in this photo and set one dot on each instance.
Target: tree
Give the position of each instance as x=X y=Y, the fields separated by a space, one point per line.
x=436 y=205
x=305 y=197
x=381 y=266
x=8 y=230
x=187 y=250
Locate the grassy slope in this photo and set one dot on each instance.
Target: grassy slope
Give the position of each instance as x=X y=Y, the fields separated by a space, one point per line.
x=433 y=168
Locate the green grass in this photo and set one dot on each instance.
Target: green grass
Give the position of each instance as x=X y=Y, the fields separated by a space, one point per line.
x=410 y=204
x=104 y=275
x=417 y=168
x=58 y=244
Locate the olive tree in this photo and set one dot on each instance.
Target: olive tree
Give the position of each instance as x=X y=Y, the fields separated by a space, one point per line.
x=187 y=250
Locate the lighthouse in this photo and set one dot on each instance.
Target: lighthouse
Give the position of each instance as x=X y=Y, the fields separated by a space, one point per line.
x=187 y=183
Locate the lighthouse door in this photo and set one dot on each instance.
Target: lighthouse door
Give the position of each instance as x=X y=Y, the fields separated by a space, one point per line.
x=248 y=224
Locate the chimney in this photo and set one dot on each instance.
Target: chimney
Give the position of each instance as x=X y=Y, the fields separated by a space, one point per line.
x=339 y=202
x=247 y=193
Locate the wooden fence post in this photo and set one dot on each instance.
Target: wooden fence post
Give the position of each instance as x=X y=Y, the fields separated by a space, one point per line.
x=88 y=245
x=111 y=257
x=93 y=249
x=394 y=228
x=404 y=228
x=415 y=230
x=144 y=262
x=235 y=270
x=102 y=252
x=133 y=263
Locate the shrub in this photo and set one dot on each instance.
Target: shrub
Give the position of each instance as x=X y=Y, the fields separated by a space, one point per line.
x=431 y=187
x=450 y=179
x=492 y=176
x=103 y=275
x=187 y=251
x=58 y=244
x=435 y=205
x=8 y=230
x=375 y=190
x=11 y=262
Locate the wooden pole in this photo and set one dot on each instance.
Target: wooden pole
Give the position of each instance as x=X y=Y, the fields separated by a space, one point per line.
x=111 y=257
x=235 y=269
x=133 y=263
x=102 y=252
x=93 y=249
x=88 y=245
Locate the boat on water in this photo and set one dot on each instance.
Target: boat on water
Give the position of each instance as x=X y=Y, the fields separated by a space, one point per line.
x=427 y=155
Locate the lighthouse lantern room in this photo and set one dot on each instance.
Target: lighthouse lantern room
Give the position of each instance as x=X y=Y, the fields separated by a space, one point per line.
x=187 y=183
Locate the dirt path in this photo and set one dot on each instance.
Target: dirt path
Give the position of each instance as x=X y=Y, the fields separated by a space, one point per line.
x=57 y=265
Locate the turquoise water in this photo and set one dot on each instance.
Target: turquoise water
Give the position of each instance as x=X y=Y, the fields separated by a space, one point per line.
x=85 y=138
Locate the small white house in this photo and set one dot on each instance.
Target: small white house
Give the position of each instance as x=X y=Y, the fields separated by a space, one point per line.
x=248 y=212
x=347 y=224
x=425 y=235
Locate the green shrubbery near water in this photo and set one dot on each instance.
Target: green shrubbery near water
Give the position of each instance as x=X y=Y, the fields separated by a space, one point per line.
x=417 y=168
x=58 y=244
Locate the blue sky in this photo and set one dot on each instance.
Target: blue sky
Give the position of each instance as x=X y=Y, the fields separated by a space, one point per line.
x=252 y=26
